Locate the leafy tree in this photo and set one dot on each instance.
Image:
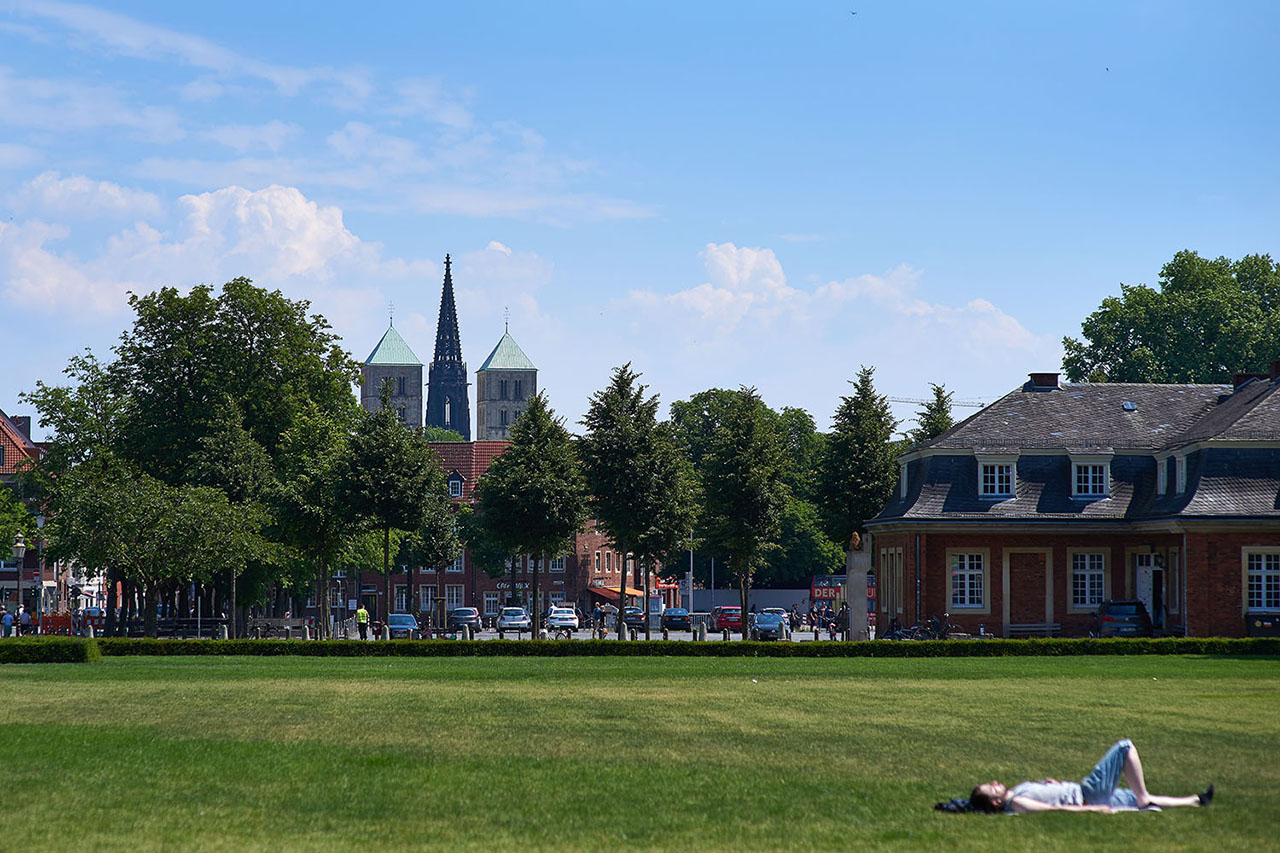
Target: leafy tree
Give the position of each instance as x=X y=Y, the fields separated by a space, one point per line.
x=312 y=502
x=641 y=488
x=395 y=480
x=743 y=490
x=858 y=467
x=1208 y=320
x=803 y=549
x=533 y=498
x=435 y=433
x=935 y=418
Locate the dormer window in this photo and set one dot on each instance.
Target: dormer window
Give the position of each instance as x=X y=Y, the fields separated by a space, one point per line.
x=902 y=479
x=1162 y=476
x=455 y=486
x=1090 y=476
x=1181 y=466
x=996 y=476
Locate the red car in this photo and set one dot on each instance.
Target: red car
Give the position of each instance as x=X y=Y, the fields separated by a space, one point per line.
x=726 y=616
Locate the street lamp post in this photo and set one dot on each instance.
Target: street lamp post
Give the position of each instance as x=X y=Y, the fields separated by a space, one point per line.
x=40 y=565
x=19 y=551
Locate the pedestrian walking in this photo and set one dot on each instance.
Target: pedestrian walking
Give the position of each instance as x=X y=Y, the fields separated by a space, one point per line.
x=362 y=622
x=24 y=620
x=8 y=622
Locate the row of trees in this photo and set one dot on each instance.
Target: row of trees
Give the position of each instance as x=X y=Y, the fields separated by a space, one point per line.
x=222 y=447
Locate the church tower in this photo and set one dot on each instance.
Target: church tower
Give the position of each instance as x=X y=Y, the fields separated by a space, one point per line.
x=392 y=361
x=504 y=384
x=448 y=405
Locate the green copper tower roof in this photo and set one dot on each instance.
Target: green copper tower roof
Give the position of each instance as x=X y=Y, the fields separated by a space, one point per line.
x=392 y=350
x=507 y=355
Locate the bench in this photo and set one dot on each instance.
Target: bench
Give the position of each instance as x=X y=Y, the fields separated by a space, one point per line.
x=1028 y=629
x=275 y=628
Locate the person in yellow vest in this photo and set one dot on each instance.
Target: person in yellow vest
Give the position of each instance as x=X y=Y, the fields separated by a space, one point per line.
x=362 y=622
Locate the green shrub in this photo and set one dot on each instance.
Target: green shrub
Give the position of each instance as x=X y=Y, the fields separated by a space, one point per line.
x=118 y=647
x=48 y=650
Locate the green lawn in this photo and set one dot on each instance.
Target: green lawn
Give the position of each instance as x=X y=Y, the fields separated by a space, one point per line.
x=643 y=753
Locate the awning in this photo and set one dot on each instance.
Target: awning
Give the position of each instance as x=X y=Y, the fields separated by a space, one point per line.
x=611 y=593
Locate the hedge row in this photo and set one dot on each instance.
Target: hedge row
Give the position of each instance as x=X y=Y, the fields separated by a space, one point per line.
x=48 y=650
x=119 y=647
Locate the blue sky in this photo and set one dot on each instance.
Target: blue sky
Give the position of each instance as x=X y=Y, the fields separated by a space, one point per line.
x=719 y=193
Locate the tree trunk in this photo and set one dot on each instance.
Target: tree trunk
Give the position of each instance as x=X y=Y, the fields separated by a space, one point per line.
x=149 y=609
x=744 y=586
x=113 y=577
x=644 y=568
x=533 y=599
x=322 y=599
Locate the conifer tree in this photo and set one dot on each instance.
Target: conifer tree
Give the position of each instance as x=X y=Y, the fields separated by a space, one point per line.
x=935 y=418
x=858 y=466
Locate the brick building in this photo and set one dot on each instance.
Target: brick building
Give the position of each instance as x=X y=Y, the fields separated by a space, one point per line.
x=1059 y=496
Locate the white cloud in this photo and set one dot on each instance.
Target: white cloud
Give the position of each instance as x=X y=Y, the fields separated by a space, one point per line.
x=426 y=97
x=248 y=137
x=68 y=105
x=78 y=197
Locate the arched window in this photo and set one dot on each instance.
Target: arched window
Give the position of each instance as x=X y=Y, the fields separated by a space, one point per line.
x=448 y=409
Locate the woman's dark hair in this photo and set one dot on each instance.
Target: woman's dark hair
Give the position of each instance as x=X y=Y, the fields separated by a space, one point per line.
x=980 y=801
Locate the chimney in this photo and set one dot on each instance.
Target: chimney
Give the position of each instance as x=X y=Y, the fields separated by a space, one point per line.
x=23 y=423
x=1275 y=370
x=1043 y=381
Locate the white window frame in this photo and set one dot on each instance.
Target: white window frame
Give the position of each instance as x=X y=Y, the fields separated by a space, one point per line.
x=970 y=564
x=1180 y=467
x=491 y=602
x=453 y=596
x=427 y=599
x=1082 y=463
x=1162 y=475
x=335 y=597
x=555 y=597
x=1003 y=476
x=400 y=595
x=455 y=488
x=902 y=479
x=1261 y=574
x=459 y=564
x=557 y=564
x=1088 y=570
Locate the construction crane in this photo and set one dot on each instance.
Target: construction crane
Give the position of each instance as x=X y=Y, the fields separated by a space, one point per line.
x=968 y=404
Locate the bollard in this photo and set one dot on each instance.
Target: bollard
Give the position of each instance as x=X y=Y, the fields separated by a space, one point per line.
x=288 y=632
x=542 y=633
x=724 y=635
x=702 y=632
x=90 y=635
x=666 y=635
x=386 y=632
x=222 y=632
x=466 y=633
x=306 y=632
x=633 y=634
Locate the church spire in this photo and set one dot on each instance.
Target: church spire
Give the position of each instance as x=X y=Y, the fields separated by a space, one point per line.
x=447 y=398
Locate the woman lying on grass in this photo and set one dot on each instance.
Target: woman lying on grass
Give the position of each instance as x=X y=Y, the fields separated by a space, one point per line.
x=1097 y=793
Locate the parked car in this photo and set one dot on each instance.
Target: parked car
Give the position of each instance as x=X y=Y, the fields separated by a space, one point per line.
x=513 y=619
x=402 y=626
x=770 y=625
x=726 y=616
x=468 y=616
x=676 y=619
x=559 y=618
x=1122 y=619
x=634 y=617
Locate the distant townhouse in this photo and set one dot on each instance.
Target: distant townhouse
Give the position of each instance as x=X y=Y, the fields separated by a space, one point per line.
x=1026 y=515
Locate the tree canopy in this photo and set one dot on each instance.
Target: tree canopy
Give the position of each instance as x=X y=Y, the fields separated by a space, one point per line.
x=1208 y=320
x=858 y=467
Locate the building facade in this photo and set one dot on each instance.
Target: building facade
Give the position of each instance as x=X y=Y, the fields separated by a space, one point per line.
x=448 y=403
x=504 y=384
x=393 y=361
x=1028 y=514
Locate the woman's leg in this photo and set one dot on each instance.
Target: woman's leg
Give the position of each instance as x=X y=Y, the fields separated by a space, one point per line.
x=1133 y=775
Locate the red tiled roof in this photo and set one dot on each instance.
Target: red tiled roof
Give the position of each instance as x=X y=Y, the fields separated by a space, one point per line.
x=470 y=459
x=17 y=448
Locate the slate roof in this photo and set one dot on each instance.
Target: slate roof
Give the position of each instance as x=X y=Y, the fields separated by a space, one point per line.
x=1222 y=481
x=507 y=355
x=393 y=350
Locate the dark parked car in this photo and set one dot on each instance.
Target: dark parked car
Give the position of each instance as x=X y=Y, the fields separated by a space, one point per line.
x=770 y=625
x=402 y=626
x=1122 y=619
x=634 y=617
x=468 y=616
x=676 y=619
